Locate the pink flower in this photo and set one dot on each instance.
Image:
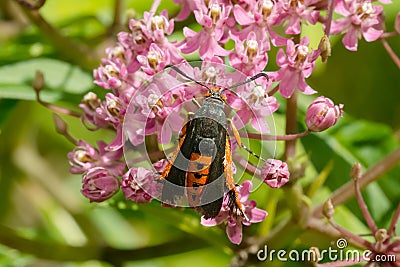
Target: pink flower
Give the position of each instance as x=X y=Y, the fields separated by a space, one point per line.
x=155 y=60
x=98 y=184
x=140 y=185
x=259 y=21
x=188 y=7
x=85 y=157
x=208 y=39
x=156 y=27
x=322 y=114
x=153 y=112
x=360 y=18
x=250 y=58
x=82 y=158
x=234 y=222
x=295 y=66
x=253 y=105
x=89 y=105
x=295 y=13
x=275 y=173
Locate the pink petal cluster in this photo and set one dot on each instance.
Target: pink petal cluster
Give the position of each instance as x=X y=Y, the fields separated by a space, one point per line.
x=209 y=38
x=296 y=65
x=360 y=18
x=294 y=13
x=85 y=157
x=140 y=185
x=322 y=113
x=233 y=221
x=99 y=184
x=275 y=173
x=253 y=104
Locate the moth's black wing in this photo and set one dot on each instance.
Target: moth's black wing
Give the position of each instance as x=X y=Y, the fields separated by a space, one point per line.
x=213 y=193
x=174 y=184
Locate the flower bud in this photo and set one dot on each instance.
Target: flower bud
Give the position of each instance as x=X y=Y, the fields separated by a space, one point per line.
x=328 y=209
x=38 y=82
x=99 y=185
x=140 y=185
x=275 y=173
x=322 y=114
x=325 y=48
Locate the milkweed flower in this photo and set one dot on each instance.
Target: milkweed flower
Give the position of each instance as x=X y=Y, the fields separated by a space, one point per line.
x=209 y=38
x=85 y=157
x=361 y=18
x=233 y=221
x=258 y=20
x=250 y=58
x=254 y=105
x=140 y=185
x=296 y=65
x=275 y=173
x=294 y=13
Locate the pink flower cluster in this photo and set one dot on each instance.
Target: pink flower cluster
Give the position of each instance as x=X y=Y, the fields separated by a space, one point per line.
x=143 y=100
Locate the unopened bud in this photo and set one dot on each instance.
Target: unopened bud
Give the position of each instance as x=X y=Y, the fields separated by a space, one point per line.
x=381 y=235
x=325 y=48
x=38 y=82
x=322 y=114
x=355 y=172
x=61 y=126
x=328 y=209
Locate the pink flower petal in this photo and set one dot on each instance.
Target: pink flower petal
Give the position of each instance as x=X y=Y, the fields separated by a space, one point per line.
x=260 y=124
x=288 y=83
x=350 y=40
x=304 y=87
x=235 y=233
x=241 y=118
x=241 y=16
x=339 y=25
x=257 y=215
x=371 y=34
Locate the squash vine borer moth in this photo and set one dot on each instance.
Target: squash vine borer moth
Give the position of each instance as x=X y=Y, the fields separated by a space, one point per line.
x=201 y=165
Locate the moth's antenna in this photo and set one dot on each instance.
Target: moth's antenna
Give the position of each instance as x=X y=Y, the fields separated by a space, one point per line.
x=186 y=76
x=255 y=77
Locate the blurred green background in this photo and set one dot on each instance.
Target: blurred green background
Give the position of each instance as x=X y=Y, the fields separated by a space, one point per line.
x=45 y=221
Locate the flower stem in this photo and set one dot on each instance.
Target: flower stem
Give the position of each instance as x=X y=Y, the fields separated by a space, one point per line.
x=363 y=207
x=328 y=22
x=154 y=6
x=392 y=226
x=350 y=235
x=291 y=125
x=391 y=53
x=287 y=137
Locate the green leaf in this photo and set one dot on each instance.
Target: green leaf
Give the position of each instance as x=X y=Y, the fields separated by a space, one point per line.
x=60 y=78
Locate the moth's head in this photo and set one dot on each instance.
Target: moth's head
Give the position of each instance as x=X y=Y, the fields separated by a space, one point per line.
x=215 y=92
